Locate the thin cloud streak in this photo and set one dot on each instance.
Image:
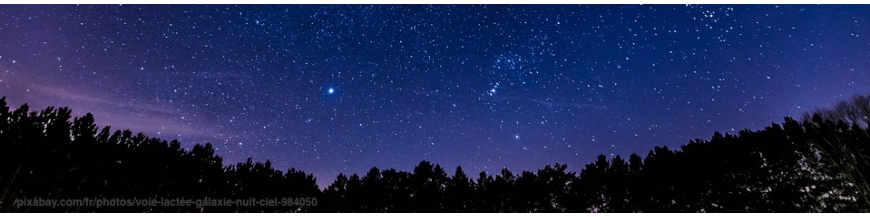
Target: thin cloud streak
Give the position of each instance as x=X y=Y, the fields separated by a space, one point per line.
x=551 y=103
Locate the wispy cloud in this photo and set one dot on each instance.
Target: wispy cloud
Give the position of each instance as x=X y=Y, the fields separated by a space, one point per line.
x=430 y=93
x=121 y=113
x=554 y=104
x=79 y=96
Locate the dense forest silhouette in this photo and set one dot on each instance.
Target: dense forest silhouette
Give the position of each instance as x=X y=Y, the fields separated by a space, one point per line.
x=820 y=163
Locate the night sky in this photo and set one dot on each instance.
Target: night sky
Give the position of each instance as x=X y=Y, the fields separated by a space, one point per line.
x=339 y=89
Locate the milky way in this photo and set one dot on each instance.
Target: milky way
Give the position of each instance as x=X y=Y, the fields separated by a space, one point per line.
x=339 y=89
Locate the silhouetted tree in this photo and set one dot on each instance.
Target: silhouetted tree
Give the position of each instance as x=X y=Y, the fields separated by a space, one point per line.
x=45 y=155
x=818 y=164
x=459 y=192
x=856 y=110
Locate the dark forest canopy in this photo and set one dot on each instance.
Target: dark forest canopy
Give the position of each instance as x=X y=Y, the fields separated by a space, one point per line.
x=818 y=164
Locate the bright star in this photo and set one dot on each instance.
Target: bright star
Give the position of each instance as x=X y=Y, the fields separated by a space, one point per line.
x=330 y=91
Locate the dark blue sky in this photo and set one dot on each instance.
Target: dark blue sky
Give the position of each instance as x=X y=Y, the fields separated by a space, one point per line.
x=339 y=89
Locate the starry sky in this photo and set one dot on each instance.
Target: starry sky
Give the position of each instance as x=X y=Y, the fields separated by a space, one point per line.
x=340 y=88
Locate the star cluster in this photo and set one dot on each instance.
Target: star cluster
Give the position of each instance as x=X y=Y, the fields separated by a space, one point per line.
x=340 y=88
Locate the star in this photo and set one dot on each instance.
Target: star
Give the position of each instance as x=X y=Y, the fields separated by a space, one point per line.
x=545 y=80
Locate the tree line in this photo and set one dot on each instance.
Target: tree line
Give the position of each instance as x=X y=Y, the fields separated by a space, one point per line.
x=817 y=164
